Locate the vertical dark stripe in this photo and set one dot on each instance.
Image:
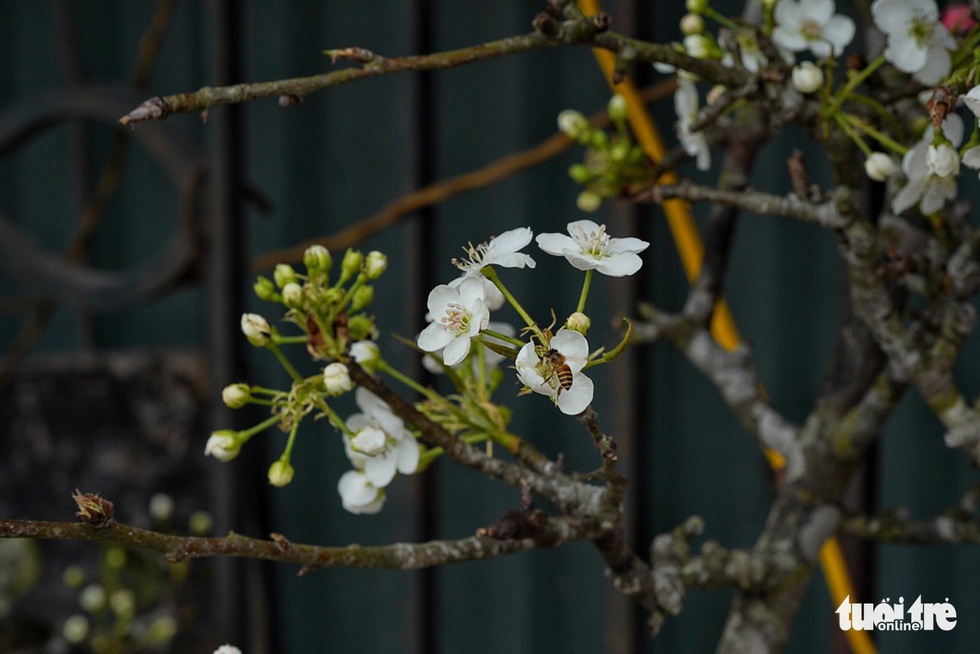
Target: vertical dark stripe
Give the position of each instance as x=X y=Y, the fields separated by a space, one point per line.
x=644 y=451
x=424 y=234
x=242 y=612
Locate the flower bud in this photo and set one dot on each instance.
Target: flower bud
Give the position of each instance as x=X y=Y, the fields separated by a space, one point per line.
x=265 y=289
x=362 y=297
x=161 y=507
x=256 y=329
x=620 y=151
x=375 y=263
x=699 y=46
x=879 y=166
x=580 y=173
x=317 y=259
x=75 y=629
x=692 y=24
x=617 y=108
x=579 y=322
x=361 y=327
x=352 y=263
x=943 y=160
x=369 y=441
x=280 y=473
x=697 y=6
x=367 y=354
x=223 y=445
x=236 y=396
x=807 y=77
x=123 y=602
x=572 y=123
x=588 y=201
x=283 y=274
x=292 y=295
x=336 y=379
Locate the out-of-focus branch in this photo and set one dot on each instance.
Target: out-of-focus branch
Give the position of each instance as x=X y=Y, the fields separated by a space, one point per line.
x=958 y=525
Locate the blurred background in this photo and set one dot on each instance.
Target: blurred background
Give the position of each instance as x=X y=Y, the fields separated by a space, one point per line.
x=128 y=257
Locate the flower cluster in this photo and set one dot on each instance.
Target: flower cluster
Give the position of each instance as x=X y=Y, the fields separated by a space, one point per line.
x=460 y=337
x=931 y=47
x=550 y=364
x=613 y=165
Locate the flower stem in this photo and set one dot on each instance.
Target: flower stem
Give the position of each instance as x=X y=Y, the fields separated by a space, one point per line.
x=246 y=434
x=384 y=367
x=285 y=363
x=503 y=337
x=856 y=80
x=491 y=274
x=585 y=290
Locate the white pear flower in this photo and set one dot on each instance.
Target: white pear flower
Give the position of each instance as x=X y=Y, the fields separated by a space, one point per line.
x=501 y=250
x=559 y=373
x=589 y=247
x=457 y=316
x=931 y=170
x=256 y=329
x=813 y=25
x=381 y=445
x=358 y=494
x=918 y=43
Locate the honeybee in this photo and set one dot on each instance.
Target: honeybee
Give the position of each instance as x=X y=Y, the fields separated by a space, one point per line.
x=559 y=369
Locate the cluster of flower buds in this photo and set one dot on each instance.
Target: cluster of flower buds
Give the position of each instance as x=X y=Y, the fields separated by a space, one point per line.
x=613 y=165
x=331 y=315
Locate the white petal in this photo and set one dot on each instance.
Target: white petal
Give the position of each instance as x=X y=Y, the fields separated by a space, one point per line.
x=407 y=455
x=440 y=297
x=456 y=350
x=818 y=11
x=574 y=400
x=789 y=14
x=513 y=240
x=909 y=195
x=380 y=470
x=434 y=337
x=627 y=244
x=937 y=65
x=573 y=345
x=620 y=265
x=906 y=54
x=556 y=244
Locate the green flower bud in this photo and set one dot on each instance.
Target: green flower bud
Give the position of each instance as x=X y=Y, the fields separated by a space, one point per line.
x=236 y=396
x=588 y=201
x=256 y=329
x=617 y=109
x=352 y=263
x=692 y=24
x=280 y=473
x=572 y=123
x=367 y=354
x=283 y=274
x=579 y=322
x=362 y=297
x=223 y=445
x=580 y=173
x=334 y=296
x=265 y=289
x=75 y=629
x=361 y=327
x=375 y=264
x=620 y=151
x=200 y=523
x=697 y=6
x=317 y=259
x=292 y=295
x=597 y=139
x=123 y=602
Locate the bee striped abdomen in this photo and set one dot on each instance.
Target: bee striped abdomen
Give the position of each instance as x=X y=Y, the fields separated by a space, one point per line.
x=560 y=369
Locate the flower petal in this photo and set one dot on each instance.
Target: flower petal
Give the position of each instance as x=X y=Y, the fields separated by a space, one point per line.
x=556 y=244
x=434 y=337
x=574 y=400
x=456 y=350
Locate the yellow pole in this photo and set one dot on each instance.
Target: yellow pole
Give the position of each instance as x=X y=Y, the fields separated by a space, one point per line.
x=691 y=251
